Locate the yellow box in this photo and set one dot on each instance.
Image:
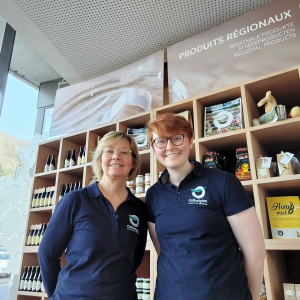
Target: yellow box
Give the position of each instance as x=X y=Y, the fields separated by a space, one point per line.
x=284 y=215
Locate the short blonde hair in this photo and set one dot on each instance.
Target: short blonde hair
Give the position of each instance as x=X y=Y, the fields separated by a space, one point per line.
x=108 y=139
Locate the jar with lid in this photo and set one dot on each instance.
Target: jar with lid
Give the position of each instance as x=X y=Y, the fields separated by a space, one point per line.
x=146 y=283
x=147 y=186
x=140 y=189
x=140 y=294
x=146 y=295
x=139 y=283
x=140 y=179
x=130 y=183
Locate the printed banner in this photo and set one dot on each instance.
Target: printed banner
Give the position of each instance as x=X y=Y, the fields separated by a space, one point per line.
x=133 y=89
x=260 y=42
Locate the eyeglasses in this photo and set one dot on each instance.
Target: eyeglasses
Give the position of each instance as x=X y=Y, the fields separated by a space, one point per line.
x=176 y=140
x=123 y=152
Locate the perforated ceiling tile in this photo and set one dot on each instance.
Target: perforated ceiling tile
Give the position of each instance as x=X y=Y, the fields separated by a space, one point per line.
x=97 y=37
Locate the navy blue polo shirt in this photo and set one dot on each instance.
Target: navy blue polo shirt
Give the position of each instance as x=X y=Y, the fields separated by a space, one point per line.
x=104 y=248
x=200 y=257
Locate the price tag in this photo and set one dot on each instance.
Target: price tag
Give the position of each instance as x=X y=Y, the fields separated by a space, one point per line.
x=286 y=158
x=266 y=163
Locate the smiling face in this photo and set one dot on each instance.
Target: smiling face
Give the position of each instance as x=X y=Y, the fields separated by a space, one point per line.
x=116 y=165
x=173 y=157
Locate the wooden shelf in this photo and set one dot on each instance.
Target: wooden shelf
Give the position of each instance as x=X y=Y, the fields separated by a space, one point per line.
x=282 y=244
x=32 y=294
x=30 y=249
x=268 y=139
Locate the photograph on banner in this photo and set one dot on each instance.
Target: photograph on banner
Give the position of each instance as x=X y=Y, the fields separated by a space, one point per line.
x=260 y=42
x=130 y=90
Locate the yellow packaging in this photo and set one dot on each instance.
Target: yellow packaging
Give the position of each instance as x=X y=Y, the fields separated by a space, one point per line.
x=284 y=215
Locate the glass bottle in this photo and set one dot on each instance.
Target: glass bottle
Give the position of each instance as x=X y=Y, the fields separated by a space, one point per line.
x=67 y=189
x=29 y=237
x=62 y=191
x=79 y=158
x=34 y=281
x=52 y=163
x=47 y=198
x=73 y=159
x=47 y=164
x=30 y=279
x=51 y=199
x=42 y=199
x=67 y=160
x=34 y=198
x=38 y=235
x=83 y=156
x=72 y=187
x=34 y=237
x=27 y=278
x=21 y=288
x=44 y=227
x=38 y=287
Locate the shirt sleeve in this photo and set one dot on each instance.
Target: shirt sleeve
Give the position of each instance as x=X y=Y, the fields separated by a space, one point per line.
x=140 y=248
x=55 y=241
x=149 y=205
x=236 y=198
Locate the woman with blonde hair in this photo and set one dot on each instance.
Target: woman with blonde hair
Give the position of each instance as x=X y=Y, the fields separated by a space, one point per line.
x=102 y=226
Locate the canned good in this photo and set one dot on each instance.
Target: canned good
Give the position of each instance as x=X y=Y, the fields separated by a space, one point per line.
x=147 y=187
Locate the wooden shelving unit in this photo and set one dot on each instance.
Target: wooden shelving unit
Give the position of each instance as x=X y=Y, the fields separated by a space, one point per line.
x=269 y=139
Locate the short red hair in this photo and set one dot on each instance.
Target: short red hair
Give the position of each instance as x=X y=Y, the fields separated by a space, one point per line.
x=169 y=124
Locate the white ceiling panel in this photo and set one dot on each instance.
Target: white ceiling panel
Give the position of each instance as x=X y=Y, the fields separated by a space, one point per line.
x=83 y=39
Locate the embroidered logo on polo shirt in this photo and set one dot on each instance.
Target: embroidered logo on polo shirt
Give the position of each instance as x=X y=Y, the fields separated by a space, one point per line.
x=198 y=193
x=135 y=221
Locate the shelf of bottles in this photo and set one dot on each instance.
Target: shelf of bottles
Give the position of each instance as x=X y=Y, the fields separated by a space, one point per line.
x=34 y=238
x=31 y=282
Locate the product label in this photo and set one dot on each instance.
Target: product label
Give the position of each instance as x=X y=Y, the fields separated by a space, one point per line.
x=29 y=287
x=72 y=163
x=38 y=286
x=25 y=285
x=29 y=240
x=51 y=168
x=46 y=169
x=34 y=285
x=22 y=285
x=67 y=163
